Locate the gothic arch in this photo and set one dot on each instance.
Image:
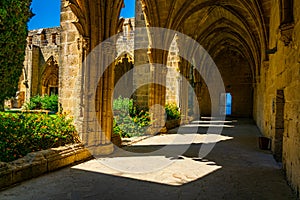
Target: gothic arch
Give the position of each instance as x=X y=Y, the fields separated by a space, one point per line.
x=49 y=79
x=123 y=65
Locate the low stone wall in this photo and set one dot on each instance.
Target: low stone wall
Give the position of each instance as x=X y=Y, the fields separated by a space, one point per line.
x=170 y=124
x=37 y=163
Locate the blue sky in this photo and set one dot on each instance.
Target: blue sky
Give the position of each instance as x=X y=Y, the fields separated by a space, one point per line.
x=47 y=13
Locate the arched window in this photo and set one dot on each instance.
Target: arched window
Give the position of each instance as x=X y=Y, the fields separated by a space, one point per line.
x=50 y=78
x=287 y=12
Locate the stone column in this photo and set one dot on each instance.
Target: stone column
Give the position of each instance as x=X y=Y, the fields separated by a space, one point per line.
x=141 y=60
x=184 y=91
x=197 y=89
x=95 y=21
x=157 y=91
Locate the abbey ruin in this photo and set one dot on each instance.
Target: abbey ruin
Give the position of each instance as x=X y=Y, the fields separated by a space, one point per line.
x=255 y=45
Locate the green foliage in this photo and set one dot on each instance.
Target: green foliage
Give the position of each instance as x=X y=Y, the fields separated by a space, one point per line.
x=14 y=15
x=129 y=121
x=172 y=111
x=43 y=102
x=24 y=133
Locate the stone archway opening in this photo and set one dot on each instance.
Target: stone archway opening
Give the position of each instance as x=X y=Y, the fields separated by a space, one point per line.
x=50 y=78
x=123 y=72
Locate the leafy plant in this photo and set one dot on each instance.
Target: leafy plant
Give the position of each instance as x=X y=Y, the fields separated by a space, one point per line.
x=43 y=102
x=172 y=111
x=50 y=102
x=24 y=133
x=129 y=121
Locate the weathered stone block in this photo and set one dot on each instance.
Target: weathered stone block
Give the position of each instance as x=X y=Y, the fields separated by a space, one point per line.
x=21 y=170
x=59 y=157
x=81 y=153
x=5 y=174
x=38 y=163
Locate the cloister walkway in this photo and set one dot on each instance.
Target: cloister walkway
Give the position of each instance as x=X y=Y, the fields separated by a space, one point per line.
x=235 y=169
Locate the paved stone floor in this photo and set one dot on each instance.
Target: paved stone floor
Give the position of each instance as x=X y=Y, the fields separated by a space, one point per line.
x=235 y=169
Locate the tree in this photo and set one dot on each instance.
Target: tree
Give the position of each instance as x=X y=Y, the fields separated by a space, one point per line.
x=14 y=15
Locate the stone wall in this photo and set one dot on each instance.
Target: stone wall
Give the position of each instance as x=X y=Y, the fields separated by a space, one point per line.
x=279 y=84
x=42 y=47
x=237 y=78
x=71 y=78
x=173 y=79
x=238 y=81
x=37 y=163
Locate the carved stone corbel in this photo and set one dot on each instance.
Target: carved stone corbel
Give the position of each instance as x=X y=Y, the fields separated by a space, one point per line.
x=286 y=31
x=86 y=43
x=83 y=43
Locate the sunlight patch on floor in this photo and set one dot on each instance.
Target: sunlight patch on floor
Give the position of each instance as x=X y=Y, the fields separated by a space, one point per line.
x=211 y=122
x=208 y=125
x=179 y=172
x=183 y=139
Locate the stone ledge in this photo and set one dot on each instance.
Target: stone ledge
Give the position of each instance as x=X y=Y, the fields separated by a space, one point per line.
x=170 y=124
x=38 y=163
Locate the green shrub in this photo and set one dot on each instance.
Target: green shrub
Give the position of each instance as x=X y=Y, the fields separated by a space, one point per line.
x=24 y=133
x=129 y=121
x=34 y=103
x=43 y=102
x=50 y=102
x=172 y=111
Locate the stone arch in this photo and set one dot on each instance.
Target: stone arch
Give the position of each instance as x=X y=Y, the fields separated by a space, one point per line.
x=123 y=65
x=50 y=77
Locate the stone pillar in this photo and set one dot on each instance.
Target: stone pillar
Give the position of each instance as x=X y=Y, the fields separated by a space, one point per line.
x=157 y=92
x=92 y=87
x=197 y=98
x=173 y=77
x=70 y=76
x=184 y=94
x=141 y=60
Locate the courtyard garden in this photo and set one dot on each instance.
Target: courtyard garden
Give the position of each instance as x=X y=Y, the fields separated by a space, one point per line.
x=22 y=133
x=37 y=127
x=30 y=130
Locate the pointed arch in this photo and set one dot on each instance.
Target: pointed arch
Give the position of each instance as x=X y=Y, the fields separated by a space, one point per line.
x=50 y=77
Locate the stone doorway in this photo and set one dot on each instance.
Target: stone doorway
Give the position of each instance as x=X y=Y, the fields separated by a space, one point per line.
x=50 y=77
x=277 y=145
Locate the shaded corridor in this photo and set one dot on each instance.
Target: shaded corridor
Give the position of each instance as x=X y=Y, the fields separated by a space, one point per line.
x=235 y=169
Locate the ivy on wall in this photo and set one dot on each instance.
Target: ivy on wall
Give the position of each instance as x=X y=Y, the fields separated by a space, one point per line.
x=14 y=15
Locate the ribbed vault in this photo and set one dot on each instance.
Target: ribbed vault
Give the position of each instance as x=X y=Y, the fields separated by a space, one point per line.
x=241 y=23
x=235 y=28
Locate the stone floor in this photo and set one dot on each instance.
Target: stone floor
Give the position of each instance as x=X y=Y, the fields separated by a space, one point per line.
x=169 y=167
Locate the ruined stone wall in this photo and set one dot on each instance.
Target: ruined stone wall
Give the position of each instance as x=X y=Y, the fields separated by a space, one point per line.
x=280 y=79
x=42 y=44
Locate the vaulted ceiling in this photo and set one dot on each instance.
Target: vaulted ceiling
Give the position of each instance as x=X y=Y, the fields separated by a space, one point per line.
x=218 y=25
